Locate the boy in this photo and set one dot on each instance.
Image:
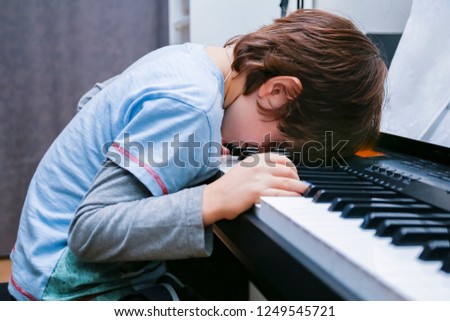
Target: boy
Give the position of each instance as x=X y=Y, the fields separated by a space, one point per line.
x=114 y=196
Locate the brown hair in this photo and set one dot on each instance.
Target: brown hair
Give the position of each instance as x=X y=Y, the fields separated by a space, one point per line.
x=341 y=71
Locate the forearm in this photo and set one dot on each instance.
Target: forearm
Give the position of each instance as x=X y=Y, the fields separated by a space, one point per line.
x=119 y=221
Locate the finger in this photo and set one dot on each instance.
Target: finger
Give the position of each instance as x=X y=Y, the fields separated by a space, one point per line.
x=281 y=159
x=289 y=184
x=270 y=160
x=283 y=171
x=270 y=157
x=276 y=158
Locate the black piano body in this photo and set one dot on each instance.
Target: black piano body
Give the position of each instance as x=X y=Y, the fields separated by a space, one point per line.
x=400 y=194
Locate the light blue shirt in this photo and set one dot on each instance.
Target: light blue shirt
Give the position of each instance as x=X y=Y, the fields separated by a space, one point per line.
x=160 y=120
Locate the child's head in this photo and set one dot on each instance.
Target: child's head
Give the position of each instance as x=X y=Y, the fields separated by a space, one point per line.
x=341 y=72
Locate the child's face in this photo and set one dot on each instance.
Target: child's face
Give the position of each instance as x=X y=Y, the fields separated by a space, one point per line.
x=243 y=125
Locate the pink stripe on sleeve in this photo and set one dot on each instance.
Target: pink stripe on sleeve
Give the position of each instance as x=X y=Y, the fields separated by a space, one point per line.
x=146 y=167
x=22 y=291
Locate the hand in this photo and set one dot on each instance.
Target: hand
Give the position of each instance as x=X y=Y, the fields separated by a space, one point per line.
x=267 y=174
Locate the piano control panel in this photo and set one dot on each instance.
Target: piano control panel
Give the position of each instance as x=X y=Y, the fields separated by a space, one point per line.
x=424 y=180
x=404 y=172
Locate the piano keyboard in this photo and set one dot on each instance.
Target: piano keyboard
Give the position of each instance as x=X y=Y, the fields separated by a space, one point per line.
x=370 y=238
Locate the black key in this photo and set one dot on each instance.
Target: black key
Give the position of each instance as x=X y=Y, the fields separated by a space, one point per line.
x=248 y=151
x=359 y=210
x=280 y=151
x=420 y=235
x=329 y=176
x=320 y=170
x=446 y=266
x=234 y=150
x=326 y=196
x=435 y=250
x=326 y=181
x=356 y=184
x=331 y=179
x=372 y=220
x=322 y=174
x=389 y=227
x=314 y=188
x=338 y=204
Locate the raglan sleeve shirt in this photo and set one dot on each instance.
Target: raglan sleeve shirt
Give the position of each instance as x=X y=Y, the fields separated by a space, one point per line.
x=142 y=204
x=119 y=220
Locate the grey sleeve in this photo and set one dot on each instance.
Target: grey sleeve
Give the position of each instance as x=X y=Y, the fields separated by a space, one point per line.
x=119 y=220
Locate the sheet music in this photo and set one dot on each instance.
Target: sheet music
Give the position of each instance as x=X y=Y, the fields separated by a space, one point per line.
x=418 y=85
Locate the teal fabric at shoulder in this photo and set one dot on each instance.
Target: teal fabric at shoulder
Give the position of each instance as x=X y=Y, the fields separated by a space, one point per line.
x=160 y=120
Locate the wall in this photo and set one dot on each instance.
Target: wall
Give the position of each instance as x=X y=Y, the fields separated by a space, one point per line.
x=51 y=53
x=381 y=16
x=214 y=22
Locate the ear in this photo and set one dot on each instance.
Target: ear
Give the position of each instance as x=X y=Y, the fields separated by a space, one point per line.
x=278 y=91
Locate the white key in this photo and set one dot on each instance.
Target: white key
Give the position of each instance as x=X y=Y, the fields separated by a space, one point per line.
x=368 y=266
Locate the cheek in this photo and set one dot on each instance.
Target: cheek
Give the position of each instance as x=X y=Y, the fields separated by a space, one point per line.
x=230 y=126
x=269 y=134
x=235 y=120
x=242 y=123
